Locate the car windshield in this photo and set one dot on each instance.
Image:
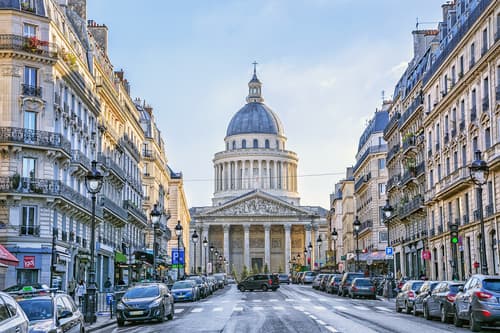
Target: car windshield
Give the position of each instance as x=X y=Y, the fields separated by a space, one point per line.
x=218 y=277
x=182 y=285
x=310 y=274
x=433 y=285
x=197 y=280
x=492 y=284
x=416 y=285
x=37 y=309
x=454 y=288
x=363 y=282
x=142 y=292
x=283 y=276
x=352 y=277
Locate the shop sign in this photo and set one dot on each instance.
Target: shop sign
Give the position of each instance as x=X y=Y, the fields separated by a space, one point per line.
x=29 y=262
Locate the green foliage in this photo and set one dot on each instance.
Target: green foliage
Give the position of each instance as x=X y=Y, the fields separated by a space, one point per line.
x=244 y=273
x=233 y=273
x=280 y=269
x=255 y=269
x=266 y=269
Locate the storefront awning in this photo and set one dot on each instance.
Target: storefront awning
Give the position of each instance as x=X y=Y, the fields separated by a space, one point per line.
x=7 y=258
x=120 y=257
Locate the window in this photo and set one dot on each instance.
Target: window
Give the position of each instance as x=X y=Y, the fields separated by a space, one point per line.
x=255 y=143
x=445 y=90
x=486 y=89
x=461 y=73
x=4 y=311
x=462 y=111
x=243 y=143
x=448 y=166
x=485 y=41
x=474 y=145
x=267 y=144
x=234 y=144
x=464 y=155
x=431 y=179
x=453 y=79
x=472 y=54
x=439 y=172
x=30 y=120
x=381 y=189
x=28 y=224
x=382 y=236
x=27 y=276
x=30 y=76
x=381 y=163
x=29 y=167
x=455 y=161
x=29 y=30
x=487 y=138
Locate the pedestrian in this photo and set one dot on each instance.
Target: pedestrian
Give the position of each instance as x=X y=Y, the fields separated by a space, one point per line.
x=71 y=288
x=108 y=285
x=80 y=291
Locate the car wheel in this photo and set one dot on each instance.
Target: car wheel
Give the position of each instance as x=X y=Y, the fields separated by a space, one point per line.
x=120 y=323
x=414 y=310
x=398 y=309
x=264 y=287
x=241 y=288
x=161 y=318
x=274 y=289
x=444 y=317
x=456 y=319
x=426 y=312
x=172 y=311
x=475 y=326
x=407 y=308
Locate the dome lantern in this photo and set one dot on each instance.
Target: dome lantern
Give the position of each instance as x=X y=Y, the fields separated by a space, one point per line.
x=255 y=87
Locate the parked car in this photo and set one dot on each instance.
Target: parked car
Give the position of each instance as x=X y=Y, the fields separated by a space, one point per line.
x=308 y=277
x=221 y=280
x=38 y=287
x=324 y=281
x=202 y=286
x=152 y=301
x=478 y=302
x=362 y=287
x=12 y=318
x=422 y=293
x=346 y=282
x=284 y=278
x=185 y=290
x=441 y=301
x=230 y=279
x=406 y=297
x=50 y=312
x=298 y=278
x=317 y=281
x=333 y=283
x=212 y=283
x=263 y=282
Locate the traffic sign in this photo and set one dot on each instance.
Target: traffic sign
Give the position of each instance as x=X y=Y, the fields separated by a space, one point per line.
x=177 y=256
x=389 y=251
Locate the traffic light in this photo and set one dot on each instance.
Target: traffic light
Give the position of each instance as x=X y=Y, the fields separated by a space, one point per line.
x=454 y=233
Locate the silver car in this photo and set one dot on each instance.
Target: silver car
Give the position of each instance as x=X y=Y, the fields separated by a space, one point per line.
x=317 y=280
x=309 y=277
x=12 y=317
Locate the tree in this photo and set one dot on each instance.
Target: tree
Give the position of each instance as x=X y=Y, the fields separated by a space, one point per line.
x=244 y=273
x=266 y=269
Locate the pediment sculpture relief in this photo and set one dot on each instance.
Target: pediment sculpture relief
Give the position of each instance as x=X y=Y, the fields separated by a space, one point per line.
x=257 y=206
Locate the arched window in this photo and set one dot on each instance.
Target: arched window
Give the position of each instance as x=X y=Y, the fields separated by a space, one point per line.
x=227 y=145
x=234 y=144
x=493 y=243
x=267 y=144
x=243 y=143
x=277 y=144
x=255 y=143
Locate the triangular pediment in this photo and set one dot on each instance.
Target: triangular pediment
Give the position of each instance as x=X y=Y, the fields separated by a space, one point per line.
x=257 y=204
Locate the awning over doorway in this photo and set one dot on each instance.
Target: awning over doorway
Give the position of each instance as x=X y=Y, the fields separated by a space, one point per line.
x=7 y=258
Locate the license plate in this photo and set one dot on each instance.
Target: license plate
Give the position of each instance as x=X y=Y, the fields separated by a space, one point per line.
x=136 y=313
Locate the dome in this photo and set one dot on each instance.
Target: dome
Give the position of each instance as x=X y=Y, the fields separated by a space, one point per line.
x=255 y=117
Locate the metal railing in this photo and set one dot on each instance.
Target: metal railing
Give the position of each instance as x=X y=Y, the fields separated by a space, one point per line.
x=29 y=230
x=79 y=158
x=111 y=165
x=392 y=122
x=29 y=90
x=410 y=110
x=28 y=44
x=127 y=204
x=369 y=150
x=34 y=137
x=392 y=152
x=110 y=205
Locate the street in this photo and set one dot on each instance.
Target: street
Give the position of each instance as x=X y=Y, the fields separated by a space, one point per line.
x=293 y=308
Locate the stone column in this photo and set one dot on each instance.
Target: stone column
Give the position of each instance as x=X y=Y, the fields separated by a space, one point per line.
x=308 y=240
x=204 y=256
x=261 y=180
x=275 y=179
x=288 y=242
x=246 y=229
x=250 y=180
x=267 y=245
x=226 y=241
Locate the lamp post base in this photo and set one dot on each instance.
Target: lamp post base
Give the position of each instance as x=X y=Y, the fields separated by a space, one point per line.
x=90 y=302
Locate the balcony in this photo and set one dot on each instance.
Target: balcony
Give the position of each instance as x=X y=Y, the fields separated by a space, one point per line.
x=148 y=154
x=29 y=230
x=440 y=229
x=393 y=182
x=31 y=45
x=134 y=212
x=486 y=104
x=365 y=226
x=113 y=211
x=477 y=215
x=465 y=219
x=408 y=176
x=368 y=151
x=473 y=113
x=392 y=123
x=392 y=153
x=411 y=207
x=38 y=138
x=420 y=169
x=453 y=183
x=432 y=232
x=489 y=210
x=79 y=160
x=131 y=147
x=361 y=181
x=112 y=166
x=409 y=142
x=33 y=91
x=410 y=110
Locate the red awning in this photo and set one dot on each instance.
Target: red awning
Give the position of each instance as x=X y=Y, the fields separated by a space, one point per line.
x=7 y=258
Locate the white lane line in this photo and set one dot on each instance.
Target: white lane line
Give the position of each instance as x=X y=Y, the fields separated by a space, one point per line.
x=273 y=300
x=289 y=300
x=258 y=308
x=197 y=310
x=219 y=309
x=225 y=301
x=238 y=308
x=322 y=299
x=383 y=309
x=306 y=299
x=278 y=308
x=208 y=302
x=319 y=307
x=306 y=313
x=300 y=308
x=331 y=329
x=321 y=322
x=340 y=308
x=257 y=300
x=313 y=317
x=178 y=310
x=360 y=307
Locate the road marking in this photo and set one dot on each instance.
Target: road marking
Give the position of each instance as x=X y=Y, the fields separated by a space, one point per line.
x=383 y=309
x=207 y=302
x=340 y=308
x=306 y=313
x=321 y=322
x=331 y=329
x=300 y=308
x=257 y=300
x=258 y=308
x=219 y=309
x=278 y=308
x=238 y=308
x=319 y=307
x=322 y=299
x=313 y=317
x=225 y=301
x=289 y=299
x=178 y=310
x=273 y=300
x=306 y=299
x=197 y=310
x=360 y=307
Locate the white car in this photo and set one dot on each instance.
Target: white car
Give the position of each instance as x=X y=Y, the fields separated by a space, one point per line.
x=12 y=317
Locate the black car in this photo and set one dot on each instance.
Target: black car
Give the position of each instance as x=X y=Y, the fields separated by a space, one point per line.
x=202 y=285
x=422 y=293
x=145 y=302
x=346 y=281
x=441 y=301
x=332 y=286
x=263 y=282
x=50 y=312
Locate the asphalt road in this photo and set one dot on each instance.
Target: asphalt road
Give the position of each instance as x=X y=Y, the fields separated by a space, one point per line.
x=290 y=309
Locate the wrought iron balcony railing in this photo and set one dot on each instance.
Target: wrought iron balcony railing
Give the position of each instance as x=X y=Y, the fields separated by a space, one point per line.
x=127 y=204
x=35 y=138
x=29 y=90
x=113 y=207
x=80 y=158
x=392 y=152
x=28 y=44
x=29 y=230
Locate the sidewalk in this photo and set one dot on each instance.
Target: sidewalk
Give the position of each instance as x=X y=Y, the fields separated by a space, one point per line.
x=102 y=322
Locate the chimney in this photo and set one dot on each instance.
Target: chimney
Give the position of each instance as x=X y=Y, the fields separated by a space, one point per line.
x=149 y=109
x=100 y=34
x=79 y=7
x=446 y=8
x=421 y=41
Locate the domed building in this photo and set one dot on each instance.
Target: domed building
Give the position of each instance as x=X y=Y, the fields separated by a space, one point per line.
x=256 y=219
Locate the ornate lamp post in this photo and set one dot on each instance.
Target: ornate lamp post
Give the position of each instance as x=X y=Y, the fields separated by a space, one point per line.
x=178 y=232
x=195 y=238
x=305 y=257
x=388 y=210
x=93 y=183
x=155 y=218
x=205 y=245
x=212 y=248
x=310 y=248
x=479 y=171
x=335 y=236
x=216 y=254
x=319 y=241
x=357 y=225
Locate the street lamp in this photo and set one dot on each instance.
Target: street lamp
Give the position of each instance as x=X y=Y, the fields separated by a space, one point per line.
x=388 y=210
x=310 y=247
x=93 y=183
x=216 y=254
x=155 y=218
x=205 y=245
x=178 y=232
x=479 y=174
x=357 y=225
x=212 y=248
x=194 y=238
x=319 y=241
x=335 y=236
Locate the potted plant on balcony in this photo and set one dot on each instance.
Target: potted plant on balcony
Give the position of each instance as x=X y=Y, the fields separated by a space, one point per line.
x=15 y=181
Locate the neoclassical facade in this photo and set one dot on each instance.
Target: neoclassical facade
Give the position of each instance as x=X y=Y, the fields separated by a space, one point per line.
x=256 y=220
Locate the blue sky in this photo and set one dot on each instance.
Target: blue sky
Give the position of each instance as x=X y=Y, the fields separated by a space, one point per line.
x=323 y=63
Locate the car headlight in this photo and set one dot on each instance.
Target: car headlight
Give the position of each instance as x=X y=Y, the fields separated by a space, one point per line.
x=155 y=303
x=120 y=306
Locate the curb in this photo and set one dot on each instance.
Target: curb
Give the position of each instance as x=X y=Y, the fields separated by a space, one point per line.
x=99 y=326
